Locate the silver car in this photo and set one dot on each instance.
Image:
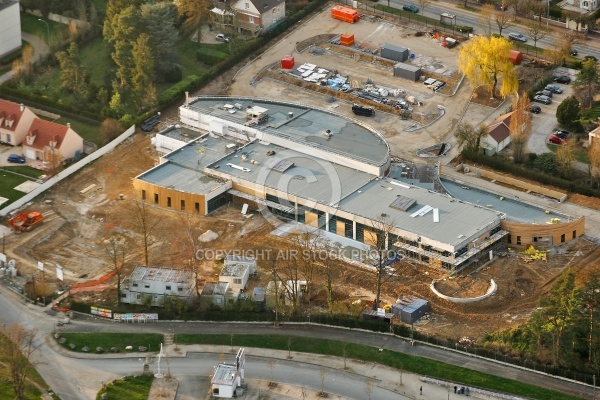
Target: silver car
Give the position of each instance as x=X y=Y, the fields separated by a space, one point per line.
x=519 y=37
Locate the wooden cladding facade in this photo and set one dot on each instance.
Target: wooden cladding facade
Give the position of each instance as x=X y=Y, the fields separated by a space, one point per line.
x=526 y=234
x=169 y=198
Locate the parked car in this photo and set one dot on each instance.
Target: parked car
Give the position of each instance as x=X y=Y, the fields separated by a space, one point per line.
x=555 y=139
x=562 y=79
x=542 y=99
x=561 y=134
x=574 y=52
x=410 y=7
x=534 y=108
x=15 y=158
x=554 y=89
x=222 y=38
x=544 y=92
x=519 y=37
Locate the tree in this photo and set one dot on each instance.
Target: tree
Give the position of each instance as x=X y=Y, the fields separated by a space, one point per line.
x=565 y=155
x=116 y=249
x=116 y=105
x=423 y=4
x=72 y=76
x=536 y=7
x=195 y=13
x=485 y=61
x=110 y=129
x=587 y=83
x=546 y=162
x=590 y=300
x=142 y=79
x=502 y=20
x=561 y=51
x=516 y=5
x=146 y=224
x=567 y=112
x=594 y=156
x=17 y=347
x=125 y=30
x=486 y=18
x=379 y=236
x=520 y=127
x=159 y=24
x=537 y=33
x=469 y=137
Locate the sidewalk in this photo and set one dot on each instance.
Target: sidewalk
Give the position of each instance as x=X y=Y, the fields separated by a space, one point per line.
x=40 y=50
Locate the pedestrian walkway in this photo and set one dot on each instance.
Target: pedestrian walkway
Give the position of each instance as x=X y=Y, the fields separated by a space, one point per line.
x=40 y=50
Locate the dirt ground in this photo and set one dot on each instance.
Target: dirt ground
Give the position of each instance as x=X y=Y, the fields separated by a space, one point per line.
x=76 y=225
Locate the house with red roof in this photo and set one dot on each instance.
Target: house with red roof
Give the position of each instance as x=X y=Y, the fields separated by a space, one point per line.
x=498 y=135
x=51 y=142
x=15 y=121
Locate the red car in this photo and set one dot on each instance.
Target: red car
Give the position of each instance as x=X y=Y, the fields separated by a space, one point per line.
x=556 y=139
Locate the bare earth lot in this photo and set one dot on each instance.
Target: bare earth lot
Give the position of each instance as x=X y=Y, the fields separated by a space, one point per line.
x=76 y=225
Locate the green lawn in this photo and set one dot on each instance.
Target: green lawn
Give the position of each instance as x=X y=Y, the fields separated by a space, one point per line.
x=128 y=388
x=32 y=24
x=34 y=380
x=87 y=130
x=9 y=180
x=95 y=58
x=107 y=340
x=418 y=365
x=580 y=154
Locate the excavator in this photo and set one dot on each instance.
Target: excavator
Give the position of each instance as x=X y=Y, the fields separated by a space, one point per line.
x=26 y=221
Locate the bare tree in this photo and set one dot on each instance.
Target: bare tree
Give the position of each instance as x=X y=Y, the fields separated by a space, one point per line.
x=594 y=156
x=520 y=127
x=146 y=224
x=469 y=137
x=17 y=348
x=423 y=4
x=516 y=5
x=537 y=33
x=501 y=19
x=536 y=8
x=116 y=249
x=379 y=237
x=486 y=18
x=322 y=374
x=191 y=248
x=565 y=155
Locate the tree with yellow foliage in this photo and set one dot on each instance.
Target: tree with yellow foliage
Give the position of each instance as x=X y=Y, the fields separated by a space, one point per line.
x=485 y=61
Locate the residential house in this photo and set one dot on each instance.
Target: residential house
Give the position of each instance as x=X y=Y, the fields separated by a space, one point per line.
x=15 y=121
x=51 y=142
x=498 y=135
x=10 y=27
x=152 y=285
x=249 y=16
x=587 y=5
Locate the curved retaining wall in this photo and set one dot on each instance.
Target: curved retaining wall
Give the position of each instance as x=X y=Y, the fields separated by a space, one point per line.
x=491 y=290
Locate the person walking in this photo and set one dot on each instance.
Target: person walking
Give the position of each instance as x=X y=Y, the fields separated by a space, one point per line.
x=421 y=390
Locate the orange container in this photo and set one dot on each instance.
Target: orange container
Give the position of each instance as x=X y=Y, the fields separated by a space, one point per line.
x=347 y=39
x=345 y=14
x=515 y=57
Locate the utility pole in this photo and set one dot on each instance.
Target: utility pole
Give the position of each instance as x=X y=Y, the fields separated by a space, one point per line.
x=47 y=29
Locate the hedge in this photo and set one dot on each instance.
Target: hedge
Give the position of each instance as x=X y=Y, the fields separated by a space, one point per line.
x=210 y=56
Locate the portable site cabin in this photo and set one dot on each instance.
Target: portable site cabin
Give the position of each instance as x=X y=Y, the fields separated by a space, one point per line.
x=345 y=14
x=393 y=52
x=410 y=310
x=407 y=71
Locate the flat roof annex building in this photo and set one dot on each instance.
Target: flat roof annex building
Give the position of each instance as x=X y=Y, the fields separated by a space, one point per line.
x=316 y=167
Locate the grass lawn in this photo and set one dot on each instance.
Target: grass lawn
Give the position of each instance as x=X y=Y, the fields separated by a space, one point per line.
x=34 y=381
x=9 y=180
x=418 y=365
x=107 y=340
x=95 y=58
x=129 y=388
x=580 y=154
x=32 y=24
x=87 y=130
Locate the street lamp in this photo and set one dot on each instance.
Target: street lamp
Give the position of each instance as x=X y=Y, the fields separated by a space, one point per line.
x=47 y=29
x=548 y=18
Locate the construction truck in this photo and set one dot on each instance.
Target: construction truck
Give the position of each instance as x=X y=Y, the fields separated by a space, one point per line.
x=26 y=221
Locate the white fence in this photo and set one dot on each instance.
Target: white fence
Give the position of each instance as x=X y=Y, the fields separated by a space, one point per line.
x=67 y=172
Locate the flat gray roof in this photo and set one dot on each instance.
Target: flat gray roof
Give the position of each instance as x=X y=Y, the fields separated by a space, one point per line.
x=235 y=270
x=180 y=133
x=160 y=274
x=309 y=178
x=457 y=220
x=348 y=136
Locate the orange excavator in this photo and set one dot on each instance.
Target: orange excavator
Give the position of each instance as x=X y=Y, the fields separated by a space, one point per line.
x=26 y=221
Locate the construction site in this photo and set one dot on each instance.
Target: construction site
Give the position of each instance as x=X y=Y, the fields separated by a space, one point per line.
x=82 y=212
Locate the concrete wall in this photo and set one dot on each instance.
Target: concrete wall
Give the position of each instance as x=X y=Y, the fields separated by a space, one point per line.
x=10 y=29
x=67 y=172
x=491 y=290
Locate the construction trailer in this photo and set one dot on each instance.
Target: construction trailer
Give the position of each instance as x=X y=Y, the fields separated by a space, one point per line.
x=393 y=52
x=410 y=309
x=407 y=71
x=345 y=14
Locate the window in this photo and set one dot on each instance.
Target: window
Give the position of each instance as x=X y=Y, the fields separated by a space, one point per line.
x=562 y=238
x=574 y=234
x=155 y=198
x=143 y=194
x=168 y=202
x=139 y=297
x=135 y=285
x=251 y=19
x=518 y=239
x=182 y=205
x=168 y=287
x=197 y=207
x=180 y=289
x=123 y=295
x=508 y=238
x=147 y=285
x=247 y=6
x=237 y=281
